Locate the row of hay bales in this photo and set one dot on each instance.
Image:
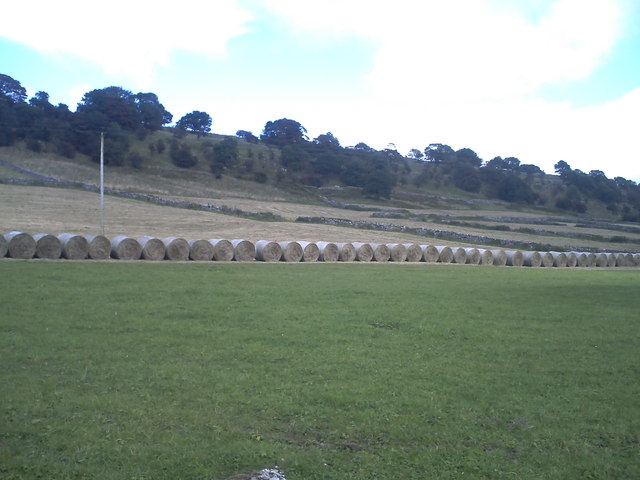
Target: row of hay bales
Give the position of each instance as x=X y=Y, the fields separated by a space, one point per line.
x=98 y=247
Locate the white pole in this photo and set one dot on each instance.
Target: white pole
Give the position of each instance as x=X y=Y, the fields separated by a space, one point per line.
x=102 y=182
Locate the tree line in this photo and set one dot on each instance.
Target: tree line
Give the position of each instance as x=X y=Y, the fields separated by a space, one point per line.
x=123 y=115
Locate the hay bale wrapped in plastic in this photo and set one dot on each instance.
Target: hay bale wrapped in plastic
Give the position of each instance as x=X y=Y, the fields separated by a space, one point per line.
x=397 y=252
x=291 y=252
x=459 y=255
x=581 y=259
x=445 y=254
x=20 y=245
x=430 y=253
x=347 y=252
x=381 y=252
x=601 y=259
x=223 y=250
x=414 y=252
x=99 y=247
x=499 y=257
x=572 y=259
x=531 y=259
x=472 y=256
x=310 y=251
x=329 y=251
x=125 y=248
x=547 y=259
x=515 y=258
x=559 y=259
x=486 y=257
x=152 y=248
x=364 y=252
x=243 y=250
x=47 y=246
x=177 y=249
x=200 y=250
x=74 y=247
x=268 y=251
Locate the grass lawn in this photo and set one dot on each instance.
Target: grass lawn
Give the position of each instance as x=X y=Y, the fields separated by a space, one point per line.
x=331 y=371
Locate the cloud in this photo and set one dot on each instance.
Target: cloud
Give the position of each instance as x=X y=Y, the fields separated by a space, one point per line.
x=469 y=73
x=128 y=38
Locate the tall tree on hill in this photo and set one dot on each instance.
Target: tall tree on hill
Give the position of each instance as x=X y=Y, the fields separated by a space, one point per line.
x=196 y=122
x=107 y=105
x=283 y=132
x=151 y=113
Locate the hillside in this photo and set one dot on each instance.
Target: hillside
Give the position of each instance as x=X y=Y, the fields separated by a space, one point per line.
x=44 y=192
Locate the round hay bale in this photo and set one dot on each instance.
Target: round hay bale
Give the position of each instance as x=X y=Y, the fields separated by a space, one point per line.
x=572 y=259
x=397 y=251
x=611 y=259
x=629 y=259
x=99 y=247
x=515 y=258
x=414 y=252
x=310 y=251
x=472 y=255
x=582 y=260
x=47 y=246
x=74 y=247
x=152 y=248
x=268 y=251
x=559 y=259
x=532 y=259
x=591 y=259
x=20 y=245
x=328 y=251
x=125 y=248
x=177 y=248
x=291 y=252
x=499 y=257
x=222 y=249
x=459 y=255
x=200 y=250
x=347 y=252
x=547 y=259
x=4 y=246
x=636 y=259
x=430 y=253
x=243 y=250
x=486 y=257
x=381 y=252
x=364 y=252
x=621 y=260
x=601 y=260
x=445 y=254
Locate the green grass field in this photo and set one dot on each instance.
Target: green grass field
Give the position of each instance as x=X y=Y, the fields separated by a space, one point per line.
x=330 y=371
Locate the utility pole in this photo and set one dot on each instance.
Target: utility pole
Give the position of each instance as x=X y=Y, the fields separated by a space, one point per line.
x=102 y=182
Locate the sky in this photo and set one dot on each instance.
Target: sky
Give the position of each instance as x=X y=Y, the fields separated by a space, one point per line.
x=540 y=80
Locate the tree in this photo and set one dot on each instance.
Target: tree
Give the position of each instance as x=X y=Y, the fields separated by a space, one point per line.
x=327 y=140
x=283 y=132
x=466 y=156
x=247 y=136
x=415 y=154
x=11 y=89
x=196 y=121
x=151 y=113
x=562 y=168
x=513 y=189
x=439 y=153
x=112 y=104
